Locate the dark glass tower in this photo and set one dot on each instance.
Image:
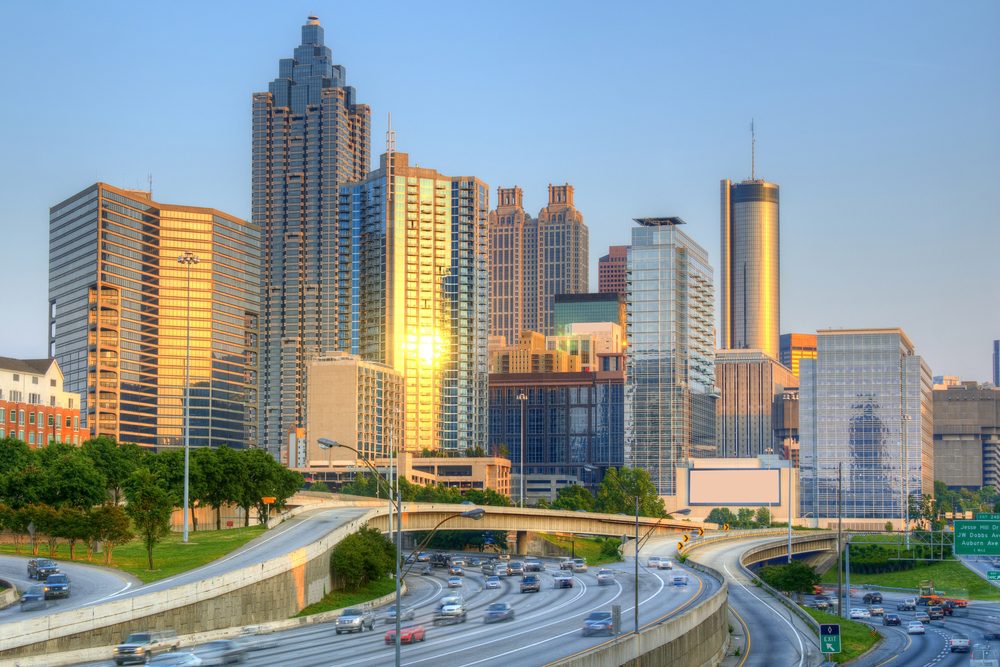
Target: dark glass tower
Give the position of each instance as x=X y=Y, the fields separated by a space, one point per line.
x=309 y=136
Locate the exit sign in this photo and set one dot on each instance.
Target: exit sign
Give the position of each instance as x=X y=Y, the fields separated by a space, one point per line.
x=993 y=575
x=829 y=637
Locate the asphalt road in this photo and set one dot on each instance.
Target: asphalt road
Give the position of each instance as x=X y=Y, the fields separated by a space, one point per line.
x=547 y=625
x=89 y=584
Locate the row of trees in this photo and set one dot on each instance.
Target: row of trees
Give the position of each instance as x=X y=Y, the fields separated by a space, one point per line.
x=372 y=486
x=616 y=494
x=744 y=518
x=795 y=577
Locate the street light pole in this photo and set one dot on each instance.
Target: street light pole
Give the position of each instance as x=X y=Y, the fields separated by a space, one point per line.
x=523 y=398
x=635 y=610
x=186 y=260
x=905 y=485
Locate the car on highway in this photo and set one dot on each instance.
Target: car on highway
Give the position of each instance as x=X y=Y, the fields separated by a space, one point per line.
x=562 y=581
x=407 y=635
x=605 y=577
x=456 y=561
x=255 y=637
x=992 y=636
x=533 y=565
x=653 y=562
x=499 y=611
x=355 y=619
x=892 y=619
x=140 y=646
x=935 y=612
x=598 y=622
x=405 y=615
x=531 y=584
x=423 y=557
x=876 y=610
x=475 y=562
x=909 y=604
x=680 y=580
x=41 y=568
x=410 y=559
x=176 y=659
x=454 y=582
x=959 y=644
x=915 y=628
x=439 y=560
x=859 y=612
x=515 y=568
x=456 y=571
x=579 y=565
x=221 y=652
x=565 y=563
x=56 y=586
x=872 y=598
x=922 y=616
x=34 y=597
x=451 y=609
x=492 y=582
x=666 y=564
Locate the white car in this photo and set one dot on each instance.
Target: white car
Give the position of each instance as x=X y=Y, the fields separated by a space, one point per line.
x=653 y=561
x=493 y=582
x=454 y=582
x=666 y=564
x=915 y=628
x=860 y=613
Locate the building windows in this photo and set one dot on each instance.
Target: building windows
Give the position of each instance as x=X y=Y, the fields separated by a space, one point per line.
x=31 y=437
x=31 y=417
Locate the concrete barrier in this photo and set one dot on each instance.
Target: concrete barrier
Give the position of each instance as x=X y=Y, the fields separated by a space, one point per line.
x=8 y=595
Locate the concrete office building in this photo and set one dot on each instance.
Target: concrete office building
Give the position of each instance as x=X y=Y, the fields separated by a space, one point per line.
x=967 y=435
x=309 y=136
x=750 y=266
x=794 y=347
x=612 y=269
x=865 y=405
x=34 y=407
x=122 y=310
x=670 y=362
x=751 y=385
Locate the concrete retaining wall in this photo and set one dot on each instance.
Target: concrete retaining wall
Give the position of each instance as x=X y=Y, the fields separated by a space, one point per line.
x=8 y=595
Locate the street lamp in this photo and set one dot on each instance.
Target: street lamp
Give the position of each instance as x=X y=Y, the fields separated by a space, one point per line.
x=474 y=514
x=523 y=398
x=904 y=465
x=186 y=260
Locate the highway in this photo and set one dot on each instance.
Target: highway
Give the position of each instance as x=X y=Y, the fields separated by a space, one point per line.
x=547 y=625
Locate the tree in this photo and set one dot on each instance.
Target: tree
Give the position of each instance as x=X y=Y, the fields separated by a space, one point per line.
x=73 y=526
x=320 y=487
x=362 y=557
x=21 y=486
x=473 y=452
x=263 y=476
x=220 y=470
x=71 y=479
x=617 y=492
x=110 y=525
x=574 y=497
x=115 y=461
x=14 y=455
x=721 y=516
x=487 y=497
x=149 y=505
x=501 y=450
x=744 y=517
x=795 y=577
x=762 y=517
x=888 y=526
x=47 y=520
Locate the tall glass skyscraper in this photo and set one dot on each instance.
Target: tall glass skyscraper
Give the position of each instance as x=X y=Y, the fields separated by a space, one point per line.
x=309 y=137
x=865 y=403
x=670 y=380
x=122 y=310
x=418 y=300
x=751 y=286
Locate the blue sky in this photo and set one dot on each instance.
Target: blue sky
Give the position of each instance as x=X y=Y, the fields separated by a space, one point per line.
x=878 y=120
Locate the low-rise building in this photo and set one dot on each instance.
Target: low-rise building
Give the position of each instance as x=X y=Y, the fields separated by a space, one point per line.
x=34 y=408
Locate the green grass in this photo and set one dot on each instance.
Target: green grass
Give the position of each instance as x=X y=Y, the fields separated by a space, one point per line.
x=170 y=557
x=584 y=547
x=855 y=638
x=341 y=599
x=949 y=576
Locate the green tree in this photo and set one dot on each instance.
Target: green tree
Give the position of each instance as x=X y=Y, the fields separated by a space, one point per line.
x=487 y=497
x=762 y=517
x=320 y=487
x=543 y=504
x=47 y=521
x=617 y=493
x=721 y=516
x=473 y=452
x=115 y=461
x=149 y=506
x=71 y=479
x=21 y=486
x=110 y=525
x=14 y=455
x=795 y=577
x=73 y=526
x=362 y=557
x=574 y=497
x=744 y=517
x=262 y=477
x=220 y=473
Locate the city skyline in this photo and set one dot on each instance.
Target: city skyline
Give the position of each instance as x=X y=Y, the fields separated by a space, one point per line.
x=840 y=117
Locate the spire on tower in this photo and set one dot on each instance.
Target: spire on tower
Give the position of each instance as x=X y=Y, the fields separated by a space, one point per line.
x=753 y=152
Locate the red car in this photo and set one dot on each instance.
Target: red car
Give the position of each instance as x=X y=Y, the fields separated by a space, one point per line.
x=407 y=635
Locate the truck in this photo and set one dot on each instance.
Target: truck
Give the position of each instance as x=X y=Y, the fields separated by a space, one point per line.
x=959 y=645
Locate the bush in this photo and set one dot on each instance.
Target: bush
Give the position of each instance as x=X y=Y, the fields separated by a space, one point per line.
x=362 y=557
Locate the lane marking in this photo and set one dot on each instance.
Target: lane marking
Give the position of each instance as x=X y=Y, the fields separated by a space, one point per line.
x=746 y=633
x=802 y=651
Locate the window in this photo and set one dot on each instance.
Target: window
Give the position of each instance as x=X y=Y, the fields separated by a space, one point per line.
x=68 y=422
x=31 y=437
x=17 y=377
x=76 y=420
x=3 y=416
x=52 y=420
x=31 y=417
x=52 y=383
x=34 y=380
x=20 y=417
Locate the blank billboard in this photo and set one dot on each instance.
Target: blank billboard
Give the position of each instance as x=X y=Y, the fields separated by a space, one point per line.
x=734 y=486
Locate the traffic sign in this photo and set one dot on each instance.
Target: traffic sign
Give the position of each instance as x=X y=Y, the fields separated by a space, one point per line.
x=977 y=538
x=993 y=575
x=987 y=516
x=829 y=637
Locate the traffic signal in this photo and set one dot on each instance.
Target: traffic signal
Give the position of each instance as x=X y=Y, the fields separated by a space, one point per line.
x=701 y=531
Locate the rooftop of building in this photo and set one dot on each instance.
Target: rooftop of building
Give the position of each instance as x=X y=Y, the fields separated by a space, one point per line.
x=33 y=366
x=854 y=332
x=660 y=222
x=590 y=297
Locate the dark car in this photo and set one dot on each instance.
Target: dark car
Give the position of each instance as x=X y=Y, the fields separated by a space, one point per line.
x=598 y=622
x=499 y=611
x=992 y=636
x=57 y=586
x=440 y=560
x=221 y=652
x=41 y=568
x=892 y=619
x=533 y=565
x=34 y=597
x=872 y=598
x=531 y=584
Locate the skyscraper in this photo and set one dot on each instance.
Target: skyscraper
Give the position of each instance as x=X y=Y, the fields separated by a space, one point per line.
x=532 y=260
x=309 y=137
x=866 y=405
x=122 y=310
x=611 y=270
x=794 y=348
x=419 y=300
x=588 y=307
x=751 y=386
x=750 y=266
x=996 y=363
x=670 y=368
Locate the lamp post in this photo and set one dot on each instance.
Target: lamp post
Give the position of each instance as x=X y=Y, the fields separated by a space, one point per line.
x=524 y=399
x=474 y=514
x=186 y=260
x=905 y=485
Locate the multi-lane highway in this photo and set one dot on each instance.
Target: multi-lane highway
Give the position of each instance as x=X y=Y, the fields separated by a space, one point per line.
x=547 y=625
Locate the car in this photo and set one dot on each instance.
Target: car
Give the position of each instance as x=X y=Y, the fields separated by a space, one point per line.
x=680 y=580
x=859 y=612
x=499 y=611
x=531 y=584
x=493 y=582
x=355 y=619
x=605 y=577
x=666 y=564
x=407 y=635
x=456 y=561
x=140 y=646
x=56 y=586
x=935 y=612
x=872 y=598
x=423 y=557
x=915 y=628
x=221 y=652
x=427 y=571
x=876 y=610
x=405 y=615
x=922 y=617
x=454 y=582
x=176 y=659
x=822 y=604
x=959 y=645
x=562 y=581
x=254 y=637
x=891 y=619
x=456 y=571
x=410 y=559
x=439 y=560
x=41 y=568
x=490 y=568
x=653 y=562
x=451 y=609
x=533 y=565
x=991 y=636
x=908 y=604
x=34 y=597
x=475 y=562
x=515 y=568
x=598 y=622
x=579 y=565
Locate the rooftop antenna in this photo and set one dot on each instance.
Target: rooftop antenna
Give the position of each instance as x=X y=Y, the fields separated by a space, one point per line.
x=150 y=179
x=753 y=152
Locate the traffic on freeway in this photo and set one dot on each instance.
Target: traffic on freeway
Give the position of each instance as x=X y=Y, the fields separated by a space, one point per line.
x=472 y=624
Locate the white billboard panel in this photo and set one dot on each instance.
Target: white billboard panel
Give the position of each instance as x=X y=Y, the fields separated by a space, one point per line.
x=736 y=486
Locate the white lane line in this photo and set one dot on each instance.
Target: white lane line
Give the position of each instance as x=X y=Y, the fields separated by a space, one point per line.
x=118 y=592
x=802 y=651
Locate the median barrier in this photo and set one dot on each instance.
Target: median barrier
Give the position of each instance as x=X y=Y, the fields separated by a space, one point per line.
x=8 y=594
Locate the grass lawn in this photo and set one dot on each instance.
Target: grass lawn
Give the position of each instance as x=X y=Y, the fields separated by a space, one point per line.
x=340 y=599
x=949 y=576
x=855 y=638
x=584 y=547
x=170 y=557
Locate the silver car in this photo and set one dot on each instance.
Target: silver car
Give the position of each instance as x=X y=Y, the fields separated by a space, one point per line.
x=355 y=620
x=605 y=577
x=406 y=614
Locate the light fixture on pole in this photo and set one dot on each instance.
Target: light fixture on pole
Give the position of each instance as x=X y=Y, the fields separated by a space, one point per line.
x=524 y=399
x=186 y=260
x=905 y=485
x=474 y=514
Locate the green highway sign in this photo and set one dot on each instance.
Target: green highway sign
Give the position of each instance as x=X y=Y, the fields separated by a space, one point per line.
x=977 y=538
x=829 y=637
x=987 y=516
x=993 y=575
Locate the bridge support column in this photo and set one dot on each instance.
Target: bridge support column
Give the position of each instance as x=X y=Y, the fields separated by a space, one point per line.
x=521 y=546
